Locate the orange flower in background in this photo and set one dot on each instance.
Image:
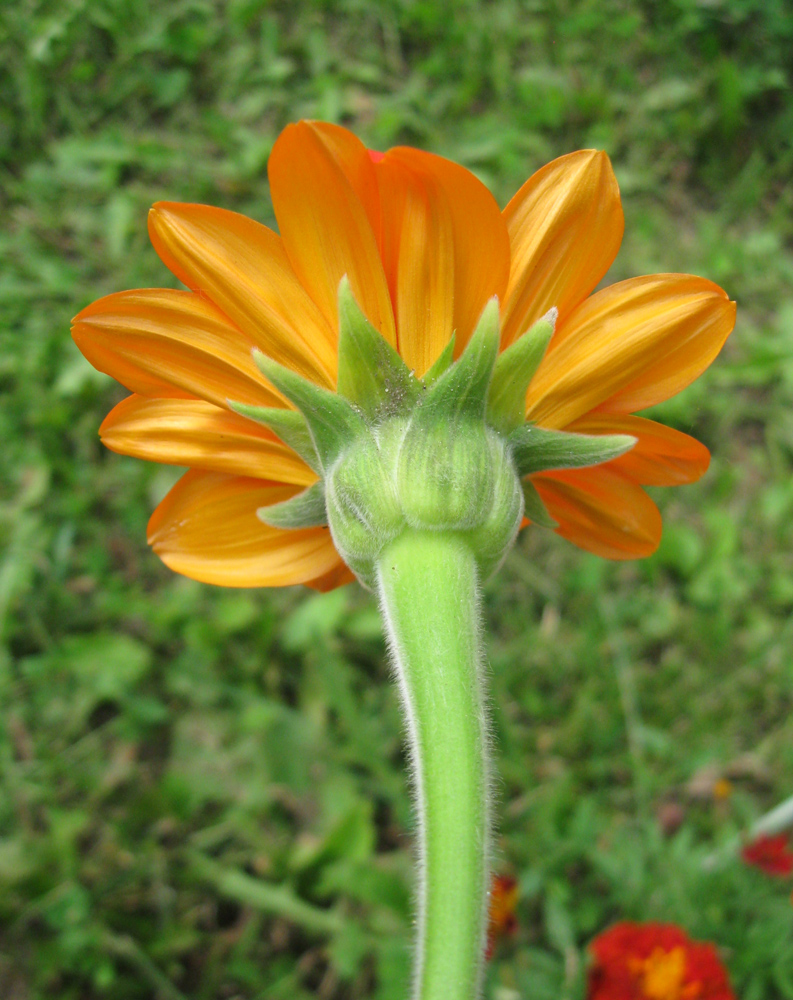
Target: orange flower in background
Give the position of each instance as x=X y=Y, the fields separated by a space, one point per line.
x=771 y=854
x=502 y=921
x=655 y=962
x=424 y=246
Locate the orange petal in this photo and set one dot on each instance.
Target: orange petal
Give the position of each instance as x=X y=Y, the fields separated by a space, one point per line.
x=325 y=228
x=565 y=228
x=337 y=577
x=601 y=511
x=418 y=255
x=661 y=456
x=356 y=164
x=630 y=346
x=159 y=342
x=206 y=528
x=481 y=243
x=197 y=434
x=243 y=268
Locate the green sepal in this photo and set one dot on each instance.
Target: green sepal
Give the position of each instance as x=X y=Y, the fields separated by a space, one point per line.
x=439 y=365
x=288 y=425
x=332 y=422
x=536 y=449
x=372 y=376
x=462 y=389
x=533 y=507
x=363 y=507
x=514 y=369
x=306 y=510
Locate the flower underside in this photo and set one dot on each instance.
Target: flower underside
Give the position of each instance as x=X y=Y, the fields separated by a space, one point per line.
x=424 y=247
x=450 y=451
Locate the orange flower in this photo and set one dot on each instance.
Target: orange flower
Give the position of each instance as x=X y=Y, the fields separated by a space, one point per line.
x=424 y=246
x=501 y=915
x=655 y=962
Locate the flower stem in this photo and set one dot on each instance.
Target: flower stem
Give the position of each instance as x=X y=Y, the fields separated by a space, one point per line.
x=429 y=596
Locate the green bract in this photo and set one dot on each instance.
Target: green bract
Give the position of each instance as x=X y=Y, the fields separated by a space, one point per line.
x=450 y=452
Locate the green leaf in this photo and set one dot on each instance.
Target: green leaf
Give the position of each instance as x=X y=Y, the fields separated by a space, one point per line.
x=440 y=365
x=372 y=376
x=514 y=370
x=462 y=389
x=332 y=422
x=315 y=621
x=533 y=507
x=559 y=923
x=536 y=449
x=306 y=510
x=288 y=425
x=268 y=897
x=108 y=665
x=348 y=949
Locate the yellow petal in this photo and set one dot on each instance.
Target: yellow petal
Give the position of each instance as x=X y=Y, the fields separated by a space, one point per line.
x=601 y=511
x=630 y=346
x=418 y=256
x=160 y=342
x=565 y=228
x=325 y=229
x=662 y=456
x=193 y=433
x=481 y=243
x=242 y=267
x=206 y=528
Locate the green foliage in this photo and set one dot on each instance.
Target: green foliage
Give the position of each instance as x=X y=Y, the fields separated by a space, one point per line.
x=203 y=791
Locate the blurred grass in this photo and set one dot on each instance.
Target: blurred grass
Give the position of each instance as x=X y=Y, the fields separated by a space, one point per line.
x=203 y=791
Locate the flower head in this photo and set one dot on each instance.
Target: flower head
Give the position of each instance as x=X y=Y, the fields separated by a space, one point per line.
x=424 y=248
x=772 y=854
x=655 y=962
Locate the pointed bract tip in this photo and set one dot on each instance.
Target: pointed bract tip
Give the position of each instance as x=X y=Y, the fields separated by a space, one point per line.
x=515 y=367
x=264 y=362
x=489 y=324
x=463 y=386
x=260 y=359
x=491 y=309
x=538 y=449
x=305 y=510
x=371 y=374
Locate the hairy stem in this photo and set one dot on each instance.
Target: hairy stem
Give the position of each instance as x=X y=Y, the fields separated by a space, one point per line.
x=429 y=597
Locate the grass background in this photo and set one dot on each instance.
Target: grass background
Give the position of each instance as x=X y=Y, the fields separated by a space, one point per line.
x=203 y=791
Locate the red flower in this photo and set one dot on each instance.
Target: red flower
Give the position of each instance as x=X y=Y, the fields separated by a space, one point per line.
x=655 y=962
x=502 y=920
x=771 y=855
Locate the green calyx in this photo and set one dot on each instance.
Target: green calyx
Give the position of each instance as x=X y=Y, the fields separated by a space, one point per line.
x=289 y=425
x=448 y=452
x=536 y=449
x=513 y=370
x=372 y=376
x=306 y=510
